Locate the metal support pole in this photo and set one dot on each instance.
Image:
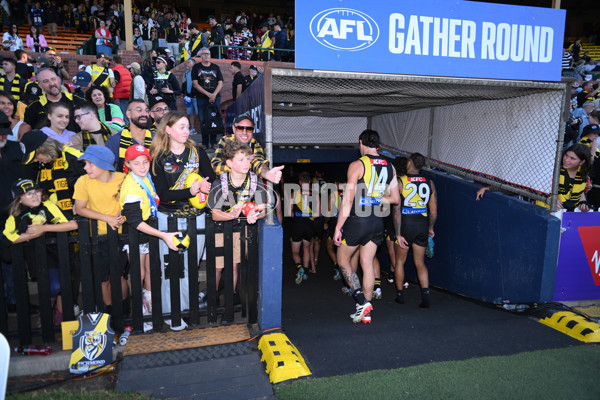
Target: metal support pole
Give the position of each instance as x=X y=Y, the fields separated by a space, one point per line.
x=560 y=142
x=128 y=25
x=268 y=110
x=430 y=136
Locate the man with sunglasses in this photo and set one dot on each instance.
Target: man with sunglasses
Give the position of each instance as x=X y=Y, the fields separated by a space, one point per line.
x=158 y=108
x=243 y=129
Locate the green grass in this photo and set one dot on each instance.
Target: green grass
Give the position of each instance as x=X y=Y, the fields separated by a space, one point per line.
x=63 y=394
x=568 y=373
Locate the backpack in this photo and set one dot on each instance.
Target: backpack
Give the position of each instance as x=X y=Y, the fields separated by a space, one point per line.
x=213 y=121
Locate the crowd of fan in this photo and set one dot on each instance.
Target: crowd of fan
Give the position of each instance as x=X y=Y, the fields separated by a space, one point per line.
x=150 y=23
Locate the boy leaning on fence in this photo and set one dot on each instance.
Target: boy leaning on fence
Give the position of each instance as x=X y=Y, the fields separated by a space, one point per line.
x=139 y=201
x=230 y=196
x=96 y=197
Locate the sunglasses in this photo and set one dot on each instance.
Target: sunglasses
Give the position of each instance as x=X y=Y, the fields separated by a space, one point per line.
x=245 y=128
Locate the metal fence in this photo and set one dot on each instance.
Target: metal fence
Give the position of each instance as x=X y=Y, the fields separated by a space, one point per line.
x=80 y=282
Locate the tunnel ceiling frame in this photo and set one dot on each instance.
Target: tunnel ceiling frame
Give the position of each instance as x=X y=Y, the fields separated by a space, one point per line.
x=298 y=92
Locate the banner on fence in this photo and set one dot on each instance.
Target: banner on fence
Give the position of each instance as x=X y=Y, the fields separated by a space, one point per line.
x=578 y=269
x=251 y=101
x=428 y=37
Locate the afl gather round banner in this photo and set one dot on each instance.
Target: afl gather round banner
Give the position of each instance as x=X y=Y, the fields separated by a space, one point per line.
x=439 y=38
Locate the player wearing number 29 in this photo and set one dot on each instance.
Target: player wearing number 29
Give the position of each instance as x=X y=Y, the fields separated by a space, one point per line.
x=414 y=219
x=371 y=183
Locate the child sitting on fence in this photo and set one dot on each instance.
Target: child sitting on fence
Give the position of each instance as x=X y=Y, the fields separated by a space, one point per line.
x=230 y=194
x=31 y=216
x=96 y=196
x=139 y=202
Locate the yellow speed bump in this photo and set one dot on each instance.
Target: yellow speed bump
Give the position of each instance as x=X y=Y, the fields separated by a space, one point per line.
x=282 y=359
x=574 y=325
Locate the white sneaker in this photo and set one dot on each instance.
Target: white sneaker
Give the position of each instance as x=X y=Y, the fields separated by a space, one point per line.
x=362 y=311
x=176 y=328
x=147 y=327
x=147 y=297
x=377 y=294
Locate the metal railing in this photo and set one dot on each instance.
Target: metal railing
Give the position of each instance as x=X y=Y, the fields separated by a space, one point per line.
x=78 y=263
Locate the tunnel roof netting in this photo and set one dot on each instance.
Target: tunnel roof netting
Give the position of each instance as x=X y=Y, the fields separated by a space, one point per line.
x=337 y=94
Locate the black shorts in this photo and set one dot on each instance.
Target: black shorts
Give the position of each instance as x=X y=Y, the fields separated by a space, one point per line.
x=389 y=233
x=318 y=224
x=302 y=229
x=362 y=230
x=102 y=260
x=415 y=229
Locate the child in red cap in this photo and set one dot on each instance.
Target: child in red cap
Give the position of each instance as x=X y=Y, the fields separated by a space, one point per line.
x=139 y=202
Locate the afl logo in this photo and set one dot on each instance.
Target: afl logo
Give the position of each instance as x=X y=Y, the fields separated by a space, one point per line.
x=344 y=29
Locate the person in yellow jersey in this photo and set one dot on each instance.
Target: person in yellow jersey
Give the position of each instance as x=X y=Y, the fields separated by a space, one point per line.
x=304 y=208
x=371 y=183
x=414 y=220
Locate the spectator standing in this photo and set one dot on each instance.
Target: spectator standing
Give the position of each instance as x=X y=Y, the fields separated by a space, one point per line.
x=138 y=43
x=138 y=88
x=11 y=40
x=101 y=74
x=280 y=42
x=52 y=18
x=267 y=41
x=165 y=84
x=37 y=16
x=81 y=19
x=67 y=17
x=36 y=42
x=23 y=69
x=217 y=37
x=187 y=88
x=252 y=75
x=172 y=33
x=197 y=41
x=55 y=62
x=103 y=39
x=576 y=50
x=208 y=82
x=148 y=36
x=122 y=90
x=239 y=83
x=108 y=113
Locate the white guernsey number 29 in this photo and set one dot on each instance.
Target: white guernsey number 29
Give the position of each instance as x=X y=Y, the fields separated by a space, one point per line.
x=422 y=190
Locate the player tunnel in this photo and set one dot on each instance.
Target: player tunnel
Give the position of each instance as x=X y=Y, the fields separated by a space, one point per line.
x=473 y=132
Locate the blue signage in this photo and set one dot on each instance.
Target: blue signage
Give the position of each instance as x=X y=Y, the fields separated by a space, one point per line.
x=438 y=38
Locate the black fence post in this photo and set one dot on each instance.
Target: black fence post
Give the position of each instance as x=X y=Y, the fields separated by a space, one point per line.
x=155 y=279
x=116 y=273
x=3 y=310
x=252 y=282
x=175 y=271
x=22 y=293
x=64 y=265
x=227 y=273
x=85 y=265
x=243 y=270
x=96 y=270
x=211 y=277
x=192 y=230
x=135 y=276
x=43 y=282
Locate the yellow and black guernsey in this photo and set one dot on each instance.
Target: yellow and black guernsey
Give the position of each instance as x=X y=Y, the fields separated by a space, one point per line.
x=570 y=189
x=58 y=179
x=126 y=140
x=416 y=193
x=588 y=142
x=301 y=207
x=92 y=343
x=16 y=87
x=100 y=76
x=377 y=176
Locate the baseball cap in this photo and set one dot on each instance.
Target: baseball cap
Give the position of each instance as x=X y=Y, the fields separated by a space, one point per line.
x=242 y=117
x=32 y=91
x=82 y=66
x=167 y=50
x=22 y=186
x=591 y=128
x=100 y=156
x=133 y=152
x=211 y=17
x=134 y=65
x=254 y=67
x=102 y=55
x=155 y=100
x=162 y=58
x=30 y=142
